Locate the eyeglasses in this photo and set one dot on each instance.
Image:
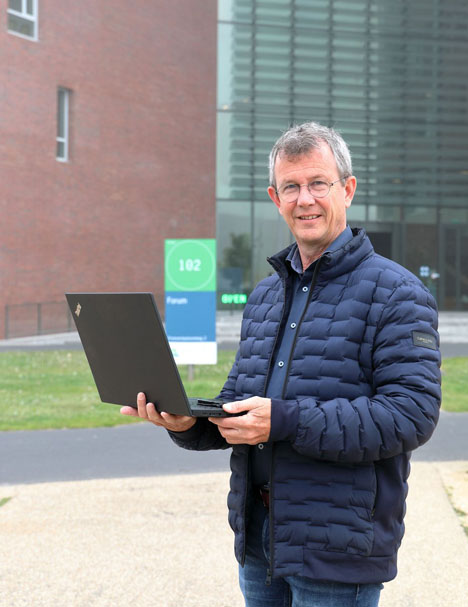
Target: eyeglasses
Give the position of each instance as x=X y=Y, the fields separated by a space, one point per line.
x=318 y=189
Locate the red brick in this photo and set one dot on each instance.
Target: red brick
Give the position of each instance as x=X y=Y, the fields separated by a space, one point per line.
x=142 y=152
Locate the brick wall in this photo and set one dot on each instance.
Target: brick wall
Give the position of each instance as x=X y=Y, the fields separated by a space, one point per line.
x=142 y=145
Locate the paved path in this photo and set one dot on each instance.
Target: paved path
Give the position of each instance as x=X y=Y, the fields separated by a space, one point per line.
x=164 y=542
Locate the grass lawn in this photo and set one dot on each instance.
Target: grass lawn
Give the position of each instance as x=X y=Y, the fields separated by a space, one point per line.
x=455 y=384
x=55 y=389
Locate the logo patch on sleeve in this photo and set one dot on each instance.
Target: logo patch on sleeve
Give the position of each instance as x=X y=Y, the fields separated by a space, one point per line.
x=425 y=340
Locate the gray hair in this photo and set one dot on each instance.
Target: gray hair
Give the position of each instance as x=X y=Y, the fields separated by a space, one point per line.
x=301 y=139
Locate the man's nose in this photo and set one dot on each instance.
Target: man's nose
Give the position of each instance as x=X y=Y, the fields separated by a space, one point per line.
x=305 y=197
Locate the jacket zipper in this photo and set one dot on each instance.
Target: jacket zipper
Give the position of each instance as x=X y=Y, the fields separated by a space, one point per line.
x=270 y=512
x=270 y=568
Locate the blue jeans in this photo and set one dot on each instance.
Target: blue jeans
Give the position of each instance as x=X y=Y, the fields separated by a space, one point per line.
x=293 y=591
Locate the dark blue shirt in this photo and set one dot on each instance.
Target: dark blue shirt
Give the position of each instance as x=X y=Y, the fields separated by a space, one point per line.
x=301 y=285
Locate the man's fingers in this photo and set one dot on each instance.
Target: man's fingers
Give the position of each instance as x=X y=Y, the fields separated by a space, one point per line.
x=129 y=411
x=246 y=405
x=144 y=410
x=236 y=436
x=153 y=415
x=237 y=407
x=177 y=423
x=148 y=412
x=252 y=428
x=141 y=405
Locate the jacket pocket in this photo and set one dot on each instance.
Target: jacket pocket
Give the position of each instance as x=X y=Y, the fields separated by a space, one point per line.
x=341 y=515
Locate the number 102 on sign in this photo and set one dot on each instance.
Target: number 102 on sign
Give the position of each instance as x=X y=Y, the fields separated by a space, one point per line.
x=190 y=265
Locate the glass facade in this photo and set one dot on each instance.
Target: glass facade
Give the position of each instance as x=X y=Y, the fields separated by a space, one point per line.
x=392 y=77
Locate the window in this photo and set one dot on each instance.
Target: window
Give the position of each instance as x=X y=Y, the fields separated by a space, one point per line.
x=63 y=112
x=22 y=18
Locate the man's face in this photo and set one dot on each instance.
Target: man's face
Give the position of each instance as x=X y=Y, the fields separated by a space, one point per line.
x=314 y=222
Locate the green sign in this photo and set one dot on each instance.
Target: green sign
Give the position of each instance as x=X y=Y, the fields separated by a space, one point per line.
x=190 y=265
x=233 y=298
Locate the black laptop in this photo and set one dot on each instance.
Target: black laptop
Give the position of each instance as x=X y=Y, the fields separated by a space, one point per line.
x=127 y=349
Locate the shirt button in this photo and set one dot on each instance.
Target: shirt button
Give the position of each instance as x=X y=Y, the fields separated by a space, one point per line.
x=293 y=325
x=281 y=363
x=260 y=446
x=305 y=289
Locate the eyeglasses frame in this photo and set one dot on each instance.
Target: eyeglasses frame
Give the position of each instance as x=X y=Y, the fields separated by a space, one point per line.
x=330 y=185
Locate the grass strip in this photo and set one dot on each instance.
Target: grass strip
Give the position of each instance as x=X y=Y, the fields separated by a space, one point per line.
x=455 y=385
x=55 y=389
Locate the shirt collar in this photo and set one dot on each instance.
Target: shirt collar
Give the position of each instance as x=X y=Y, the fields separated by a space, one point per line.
x=294 y=256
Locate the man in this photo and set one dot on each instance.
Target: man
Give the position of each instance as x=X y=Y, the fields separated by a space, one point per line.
x=338 y=373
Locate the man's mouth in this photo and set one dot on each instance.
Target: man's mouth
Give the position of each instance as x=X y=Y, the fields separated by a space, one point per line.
x=307 y=217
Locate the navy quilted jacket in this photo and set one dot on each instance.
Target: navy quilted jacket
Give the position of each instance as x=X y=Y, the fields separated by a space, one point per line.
x=363 y=391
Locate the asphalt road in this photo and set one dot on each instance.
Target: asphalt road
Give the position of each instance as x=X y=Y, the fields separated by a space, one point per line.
x=124 y=451
x=143 y=450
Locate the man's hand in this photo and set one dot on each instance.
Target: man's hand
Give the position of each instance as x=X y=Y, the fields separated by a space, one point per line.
x=249 y=429
x=174 y=423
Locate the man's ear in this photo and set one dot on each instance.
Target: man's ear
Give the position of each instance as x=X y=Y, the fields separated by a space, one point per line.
x=274 y=196
x=350 y=189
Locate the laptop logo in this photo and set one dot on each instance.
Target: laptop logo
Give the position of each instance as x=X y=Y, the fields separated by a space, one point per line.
x=78 y=310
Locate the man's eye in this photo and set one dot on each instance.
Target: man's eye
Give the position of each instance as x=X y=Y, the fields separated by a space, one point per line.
x=291 y=187
x=318 y=184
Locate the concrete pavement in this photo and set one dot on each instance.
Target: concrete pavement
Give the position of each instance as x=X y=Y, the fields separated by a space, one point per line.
x=164 y=541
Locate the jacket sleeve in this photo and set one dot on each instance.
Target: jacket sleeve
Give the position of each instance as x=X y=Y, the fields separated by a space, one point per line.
x=403 y=411
x=204 y=435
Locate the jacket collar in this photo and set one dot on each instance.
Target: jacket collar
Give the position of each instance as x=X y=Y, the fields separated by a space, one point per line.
x=332 y=263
